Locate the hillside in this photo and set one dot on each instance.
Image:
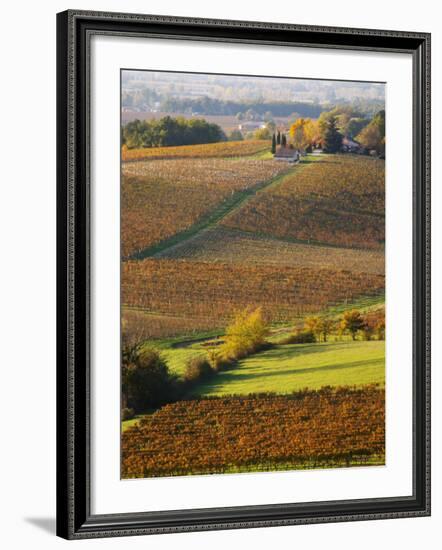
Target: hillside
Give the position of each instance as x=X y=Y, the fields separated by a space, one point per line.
x=225 y=245
x=162 y=198
x=211 y=235
x=339 y=200
x=214 y=291
x=288 y=368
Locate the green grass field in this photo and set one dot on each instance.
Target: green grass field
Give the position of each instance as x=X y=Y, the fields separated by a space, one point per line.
x=287 y=368
x=177 y=351
x=125 y=424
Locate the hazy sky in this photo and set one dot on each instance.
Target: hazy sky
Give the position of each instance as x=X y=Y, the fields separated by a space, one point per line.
x=251 y=87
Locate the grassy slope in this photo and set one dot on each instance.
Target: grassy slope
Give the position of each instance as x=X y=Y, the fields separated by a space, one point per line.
x=176 y=351
x=177 y=358
x=128 y=423
x=288 y=368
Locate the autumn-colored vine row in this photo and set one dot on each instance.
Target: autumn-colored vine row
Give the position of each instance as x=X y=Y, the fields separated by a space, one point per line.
x=328 y=427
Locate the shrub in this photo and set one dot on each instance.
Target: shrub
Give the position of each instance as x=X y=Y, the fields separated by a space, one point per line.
x=320 y=326
x=235 y=135
x=352 y=322
x=218 y=362
x=146 y=380
x=245 y=335
x=380 y=329
x=375 y=324
x=197 y=369
x=127 y=414
x=367 y=332
x=301 y=337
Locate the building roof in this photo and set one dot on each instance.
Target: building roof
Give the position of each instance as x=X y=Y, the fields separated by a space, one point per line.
x=286 y=152
x=350 y=143
x=251 y=125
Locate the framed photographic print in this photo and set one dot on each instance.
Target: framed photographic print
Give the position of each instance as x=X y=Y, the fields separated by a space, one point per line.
x=243 y=274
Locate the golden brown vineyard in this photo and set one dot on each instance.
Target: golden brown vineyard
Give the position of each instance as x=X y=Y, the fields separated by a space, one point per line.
x=162 y=198
x=340 y=200
x=139 y=322
x=216 y=290
x=222 y=244
x=309 y=429
x=223 y=149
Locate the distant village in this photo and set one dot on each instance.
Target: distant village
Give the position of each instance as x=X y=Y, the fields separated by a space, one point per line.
x=342 y=129
x=332 y=132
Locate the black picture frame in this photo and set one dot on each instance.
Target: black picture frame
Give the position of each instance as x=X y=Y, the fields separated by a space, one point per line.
x=74 y=518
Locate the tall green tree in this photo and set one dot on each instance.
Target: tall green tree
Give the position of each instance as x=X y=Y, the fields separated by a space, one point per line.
x=355 y=126
x=332 y=137
x=169 y=131
x=273 y=144
x=373 y=135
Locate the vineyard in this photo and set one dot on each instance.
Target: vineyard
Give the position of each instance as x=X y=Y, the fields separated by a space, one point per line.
x=253 y=332
x=223 y=149
x=159 y=325
x=162 y=198
x=221 y=244
x=216 y=290
x=340 y=201
x=307 y=429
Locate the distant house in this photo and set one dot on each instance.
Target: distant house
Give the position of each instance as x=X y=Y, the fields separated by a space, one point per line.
x=251 y=125
x=350 y=146
x=287 y=154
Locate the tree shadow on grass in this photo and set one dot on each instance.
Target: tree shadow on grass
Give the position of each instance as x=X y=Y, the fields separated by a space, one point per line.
x=238 y=376
x=286 y=351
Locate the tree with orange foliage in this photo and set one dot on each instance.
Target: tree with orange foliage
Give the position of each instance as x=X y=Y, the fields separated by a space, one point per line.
x=313 y=133
x=298 y=134
x=305 y=133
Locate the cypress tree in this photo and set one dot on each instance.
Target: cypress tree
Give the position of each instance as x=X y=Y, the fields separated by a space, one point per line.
x=332 y=137
x=278 y=138
x=273 y=144
x=283 y=140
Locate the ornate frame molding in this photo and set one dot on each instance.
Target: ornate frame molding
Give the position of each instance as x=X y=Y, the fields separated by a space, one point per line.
x=74 y=29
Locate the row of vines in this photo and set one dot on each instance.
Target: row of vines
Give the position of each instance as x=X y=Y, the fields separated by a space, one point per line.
x=222 y=149
x=339 y=201
x=161 y=198
x=307 y=429
x=226 y=245
x=217 y=290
